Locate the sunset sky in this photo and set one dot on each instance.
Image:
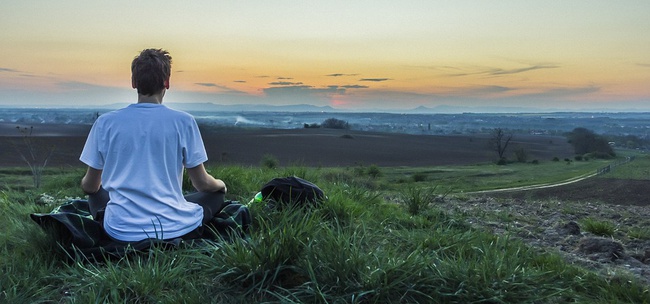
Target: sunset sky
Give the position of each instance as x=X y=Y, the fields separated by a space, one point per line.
x=376 y=55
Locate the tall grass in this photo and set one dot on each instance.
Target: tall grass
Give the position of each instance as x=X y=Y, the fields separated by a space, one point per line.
x=357 y=247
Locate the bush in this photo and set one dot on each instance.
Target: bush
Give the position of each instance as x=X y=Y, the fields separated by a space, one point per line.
x=311 y=126
x=333 y=123
x=419 y=177
x=269 y=161
x=578 y=158
x=502 y=161
x=374 y=171
x=521 y=155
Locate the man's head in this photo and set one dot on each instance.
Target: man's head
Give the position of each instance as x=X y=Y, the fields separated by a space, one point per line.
x=150 y=71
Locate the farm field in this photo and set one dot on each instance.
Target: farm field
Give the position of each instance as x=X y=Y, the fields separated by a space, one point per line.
x=309 y=147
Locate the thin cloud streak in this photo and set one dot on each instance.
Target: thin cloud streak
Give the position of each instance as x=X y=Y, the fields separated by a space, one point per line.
x=340 y=75
x=218 y=86
x=205 y=84
x=354 y=86
x=375 y=79
x=497 y=71
x=521 y=70
x=285 y=83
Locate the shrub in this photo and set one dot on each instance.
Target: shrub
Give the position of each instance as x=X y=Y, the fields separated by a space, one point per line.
x=359 y=171
x=269 y=161
x=374 y=171
x=535 y=162
x=502 y=161
x=419 y=177
x=521 y=155
x=578 y=157
x=556 y=159
x=601 y=228
x=333 y=123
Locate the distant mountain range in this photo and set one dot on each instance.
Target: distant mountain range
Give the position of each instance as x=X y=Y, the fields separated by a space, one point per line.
x=441 y=109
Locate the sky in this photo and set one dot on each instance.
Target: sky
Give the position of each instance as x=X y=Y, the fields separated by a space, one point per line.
x=350 y=55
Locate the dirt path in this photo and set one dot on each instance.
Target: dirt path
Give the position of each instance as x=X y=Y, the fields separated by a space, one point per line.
x=538 y=186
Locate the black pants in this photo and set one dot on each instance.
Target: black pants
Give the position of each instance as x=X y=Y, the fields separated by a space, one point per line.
x=212 y=203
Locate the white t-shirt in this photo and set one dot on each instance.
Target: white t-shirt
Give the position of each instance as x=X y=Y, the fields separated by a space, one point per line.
x=142 y=150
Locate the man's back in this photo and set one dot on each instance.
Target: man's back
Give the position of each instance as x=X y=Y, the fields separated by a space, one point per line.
x=142 y=150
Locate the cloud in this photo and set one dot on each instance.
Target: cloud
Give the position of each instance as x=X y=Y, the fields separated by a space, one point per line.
x=354 y=86
x=205 y=84
x=498 y=71
x=645 y=65
x=494 y=71
x=284 y=78
x=374 y=79
x=8 y=70
x=285 y=83
x=223 y=88
x=240 y=81
x=340 y=74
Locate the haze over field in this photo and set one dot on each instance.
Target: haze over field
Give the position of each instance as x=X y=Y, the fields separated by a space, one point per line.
x=350 y=55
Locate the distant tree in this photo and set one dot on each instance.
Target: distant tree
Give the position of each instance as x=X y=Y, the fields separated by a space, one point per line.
x=333 y=123
x=585 y=141
x=499 y=142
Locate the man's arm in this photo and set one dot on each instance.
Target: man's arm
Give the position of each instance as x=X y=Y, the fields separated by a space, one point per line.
x=91 y=182
x=203 y=181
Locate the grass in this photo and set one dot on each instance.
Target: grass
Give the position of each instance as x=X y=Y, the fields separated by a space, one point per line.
x=598 y=227
x=458 y=179
x=357 y=247
x=639 y=169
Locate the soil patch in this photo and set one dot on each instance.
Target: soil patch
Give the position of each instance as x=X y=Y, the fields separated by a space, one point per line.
x=593 y=190
x=308 y=147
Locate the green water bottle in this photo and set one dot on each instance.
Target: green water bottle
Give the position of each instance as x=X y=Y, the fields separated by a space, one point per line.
x=257 y=199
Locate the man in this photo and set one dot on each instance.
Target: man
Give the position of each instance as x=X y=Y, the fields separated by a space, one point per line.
x=136 y=156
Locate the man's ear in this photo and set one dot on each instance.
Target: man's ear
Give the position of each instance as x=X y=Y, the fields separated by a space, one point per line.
x=166 y=84
x=133 y=85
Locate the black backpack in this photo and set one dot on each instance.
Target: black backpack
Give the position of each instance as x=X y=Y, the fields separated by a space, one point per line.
x=292 y=190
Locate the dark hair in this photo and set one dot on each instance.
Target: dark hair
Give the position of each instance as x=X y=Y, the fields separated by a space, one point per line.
x=150 y=70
